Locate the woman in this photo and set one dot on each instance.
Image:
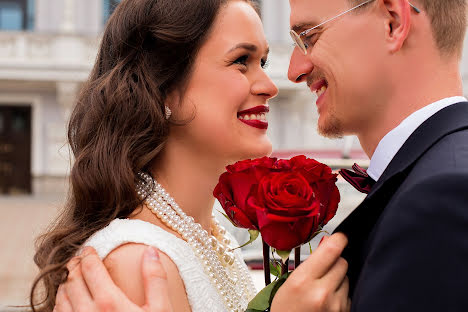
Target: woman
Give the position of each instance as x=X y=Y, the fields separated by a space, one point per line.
x=177 y=93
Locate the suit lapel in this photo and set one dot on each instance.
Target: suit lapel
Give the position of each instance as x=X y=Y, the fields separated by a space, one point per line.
x=449 y=120
x=360 y=223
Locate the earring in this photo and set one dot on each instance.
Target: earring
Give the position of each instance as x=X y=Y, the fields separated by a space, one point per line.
x=168 y=112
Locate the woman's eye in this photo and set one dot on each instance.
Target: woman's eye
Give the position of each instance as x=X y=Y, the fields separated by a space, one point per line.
x=264 y=63
x=242 y=60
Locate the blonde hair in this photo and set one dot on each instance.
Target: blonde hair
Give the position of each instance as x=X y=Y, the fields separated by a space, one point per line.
x=448 y=22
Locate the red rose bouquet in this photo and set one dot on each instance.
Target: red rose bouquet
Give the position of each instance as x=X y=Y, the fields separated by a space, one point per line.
x=286 y=201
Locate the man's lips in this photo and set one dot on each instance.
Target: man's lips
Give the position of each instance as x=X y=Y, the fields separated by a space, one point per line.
x=320 y=88
x=317 y=85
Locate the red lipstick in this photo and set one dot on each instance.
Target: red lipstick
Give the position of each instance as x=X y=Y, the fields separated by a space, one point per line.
x=255 y=110
x=259 y=124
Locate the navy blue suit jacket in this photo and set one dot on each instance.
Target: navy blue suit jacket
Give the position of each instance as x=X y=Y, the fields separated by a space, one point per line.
x=408 y=240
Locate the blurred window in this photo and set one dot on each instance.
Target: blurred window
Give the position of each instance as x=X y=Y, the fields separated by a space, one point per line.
x=16 y=15
x=109 y=6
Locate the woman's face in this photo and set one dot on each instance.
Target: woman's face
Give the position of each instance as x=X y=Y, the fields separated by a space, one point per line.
x=228 y=91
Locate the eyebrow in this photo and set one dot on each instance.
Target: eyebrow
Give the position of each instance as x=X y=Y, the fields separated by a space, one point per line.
x=298 y=28
x=247 y=46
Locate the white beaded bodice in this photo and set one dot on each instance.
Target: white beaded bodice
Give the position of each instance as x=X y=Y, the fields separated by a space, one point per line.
x=201 y=293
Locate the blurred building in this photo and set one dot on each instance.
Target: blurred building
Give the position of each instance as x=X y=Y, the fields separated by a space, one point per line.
x=47 y=49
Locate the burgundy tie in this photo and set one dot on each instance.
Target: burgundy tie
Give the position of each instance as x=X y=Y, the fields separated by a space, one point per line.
x=358 y=178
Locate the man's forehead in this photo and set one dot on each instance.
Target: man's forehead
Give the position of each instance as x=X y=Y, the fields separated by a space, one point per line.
x=309 y=13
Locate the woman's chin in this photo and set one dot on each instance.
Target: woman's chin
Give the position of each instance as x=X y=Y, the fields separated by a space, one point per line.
x=250 y=151
x=260 y=150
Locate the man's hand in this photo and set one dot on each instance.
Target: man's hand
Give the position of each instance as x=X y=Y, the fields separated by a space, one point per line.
x=90 y=288
x=318 y=284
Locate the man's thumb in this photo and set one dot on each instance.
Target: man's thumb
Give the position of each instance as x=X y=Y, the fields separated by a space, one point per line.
x=155 y=282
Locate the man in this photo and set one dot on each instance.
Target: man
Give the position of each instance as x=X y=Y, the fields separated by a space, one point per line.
x=388 y=72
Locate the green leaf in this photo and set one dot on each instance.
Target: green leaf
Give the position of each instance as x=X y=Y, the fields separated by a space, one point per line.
x=278 y=284
x=261 y=301
x=226 y=216
x=253 y=236
x=284 y=255
x=275 y=269
x=264 y=298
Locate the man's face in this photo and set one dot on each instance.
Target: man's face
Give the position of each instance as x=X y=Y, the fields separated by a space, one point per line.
x=344 y=65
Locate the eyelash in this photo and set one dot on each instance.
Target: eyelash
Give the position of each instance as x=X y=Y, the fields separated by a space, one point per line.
x=309 y=40
x=244 y=58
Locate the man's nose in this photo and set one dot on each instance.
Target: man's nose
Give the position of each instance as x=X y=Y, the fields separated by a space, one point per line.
x=300 y=66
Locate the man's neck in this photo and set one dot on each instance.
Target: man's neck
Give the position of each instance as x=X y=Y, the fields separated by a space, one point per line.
x=413 y=92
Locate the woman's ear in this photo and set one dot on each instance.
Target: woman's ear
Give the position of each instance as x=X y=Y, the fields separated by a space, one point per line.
x=171 y=103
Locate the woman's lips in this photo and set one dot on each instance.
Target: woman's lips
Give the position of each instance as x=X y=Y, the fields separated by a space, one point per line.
x=259 y=124
x=254 y=110
x=255 y=116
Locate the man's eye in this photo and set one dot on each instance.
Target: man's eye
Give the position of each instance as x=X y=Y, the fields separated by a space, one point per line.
x=242 y=60
x=264 y=63
x=310 y=40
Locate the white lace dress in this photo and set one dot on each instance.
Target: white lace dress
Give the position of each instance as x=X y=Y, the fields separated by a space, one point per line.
x=201 y=294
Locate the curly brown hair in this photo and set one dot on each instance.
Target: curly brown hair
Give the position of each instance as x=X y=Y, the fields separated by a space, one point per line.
x=118 y=126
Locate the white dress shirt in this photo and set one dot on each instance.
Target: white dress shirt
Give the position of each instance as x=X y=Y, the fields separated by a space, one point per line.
x=392 y=142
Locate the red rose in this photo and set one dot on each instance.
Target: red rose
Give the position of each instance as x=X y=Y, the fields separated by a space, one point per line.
x=287 y=200
x=266 y=162
x=235 y=186
x=287 y=209
x=323 y=179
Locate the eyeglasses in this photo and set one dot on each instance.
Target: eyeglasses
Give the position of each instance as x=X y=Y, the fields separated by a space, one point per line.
x=303 y=46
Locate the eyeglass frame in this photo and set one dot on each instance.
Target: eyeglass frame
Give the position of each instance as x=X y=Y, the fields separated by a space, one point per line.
x=303 y=47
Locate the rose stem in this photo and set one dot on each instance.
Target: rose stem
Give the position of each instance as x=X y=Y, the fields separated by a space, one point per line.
x=266 y=263
x=285 y=267
x=297 y=256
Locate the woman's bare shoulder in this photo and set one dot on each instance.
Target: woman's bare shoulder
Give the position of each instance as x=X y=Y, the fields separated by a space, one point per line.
x=124 y=266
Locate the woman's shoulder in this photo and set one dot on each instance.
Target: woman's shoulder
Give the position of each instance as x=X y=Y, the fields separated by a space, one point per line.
x=124 y=265
x=124 y=231
x=121 y=245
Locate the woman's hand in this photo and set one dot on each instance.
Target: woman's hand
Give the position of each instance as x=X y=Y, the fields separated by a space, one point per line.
x=319 y=283
x=90 y=288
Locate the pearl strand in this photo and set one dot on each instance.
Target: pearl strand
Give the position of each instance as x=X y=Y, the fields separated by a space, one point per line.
x=230 y=278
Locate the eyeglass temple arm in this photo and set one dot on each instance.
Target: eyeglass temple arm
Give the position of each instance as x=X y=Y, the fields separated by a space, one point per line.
x=415 y=8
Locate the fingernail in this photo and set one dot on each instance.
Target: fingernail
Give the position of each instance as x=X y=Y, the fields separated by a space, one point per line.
x=152 y=253
x=73 y=263
x=86 y=251
x=323 y=238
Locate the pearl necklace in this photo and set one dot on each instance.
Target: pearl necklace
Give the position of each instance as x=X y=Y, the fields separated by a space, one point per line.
x=228 y=275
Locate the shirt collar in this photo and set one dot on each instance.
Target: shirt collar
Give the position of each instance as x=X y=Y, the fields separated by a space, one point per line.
x=394 y=140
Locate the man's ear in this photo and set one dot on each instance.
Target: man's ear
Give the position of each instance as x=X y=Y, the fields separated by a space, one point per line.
x=397 y=22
